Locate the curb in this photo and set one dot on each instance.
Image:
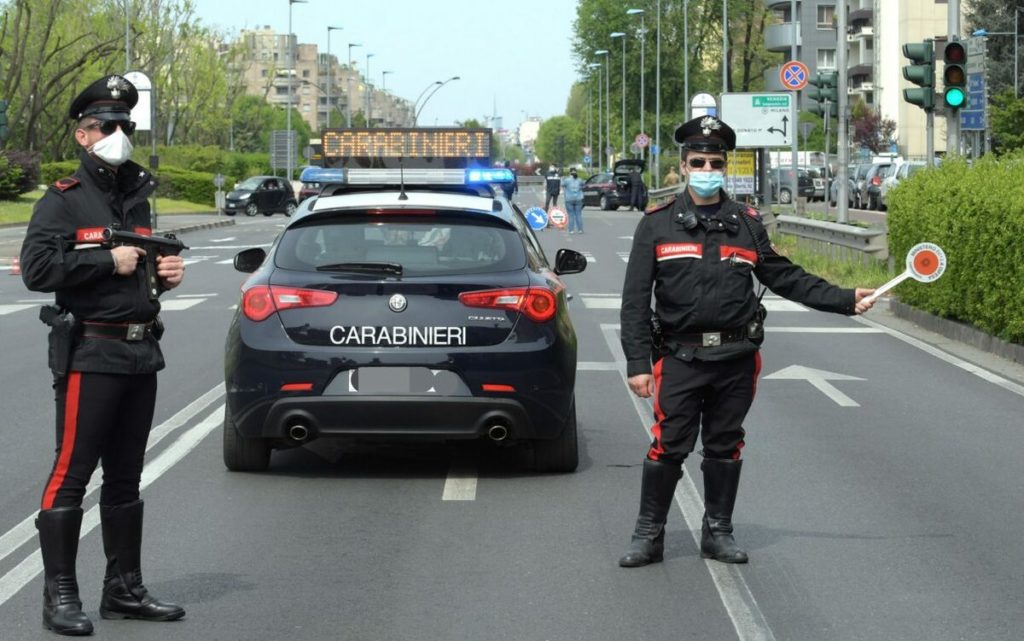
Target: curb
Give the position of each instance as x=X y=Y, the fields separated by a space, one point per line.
x=187 y=228
x=959 y=332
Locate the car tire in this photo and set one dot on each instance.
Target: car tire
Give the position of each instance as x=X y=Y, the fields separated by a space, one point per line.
x=243 y=454
x=604 y=204
x=268 y=213
x=289 y=209
x=785 y=197
x=559 y=455
x=251 y=209
x=228 y=213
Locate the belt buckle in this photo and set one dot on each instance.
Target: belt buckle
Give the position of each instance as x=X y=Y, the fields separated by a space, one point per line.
x=135 y=331
x=711 y=339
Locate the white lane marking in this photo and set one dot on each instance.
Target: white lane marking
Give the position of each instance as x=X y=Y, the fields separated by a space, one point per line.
x=32 y=565
x=214 y=247
x=196 y=295
x=823 y=330
x=461 y=483
x=594 y=366
x=192 y=260
x=624 y=256
x=36 y=301
x=782 y=305
x=601 y=303
x=10 y=309
x=229 y=261
x=819 y=378
x=179 y=304
x=739 y=601
x=980 y=372
x=589 y=256
x=222 y=240
x=19 y=534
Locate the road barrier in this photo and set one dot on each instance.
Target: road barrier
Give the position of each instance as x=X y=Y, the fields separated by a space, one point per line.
x=836 y=240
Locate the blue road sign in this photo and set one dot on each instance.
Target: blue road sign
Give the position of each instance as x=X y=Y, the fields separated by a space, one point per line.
x=586 y=160
x=655 y=149
x=972 y=118
x=537 y=218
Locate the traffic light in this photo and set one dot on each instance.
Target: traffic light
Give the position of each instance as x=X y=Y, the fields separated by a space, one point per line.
x=954 y=76
x=3 y=121
x=921 y=73
x=825 y=94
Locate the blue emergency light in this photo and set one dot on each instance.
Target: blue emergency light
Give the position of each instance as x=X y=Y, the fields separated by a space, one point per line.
x=322 y=175
x=488 y=176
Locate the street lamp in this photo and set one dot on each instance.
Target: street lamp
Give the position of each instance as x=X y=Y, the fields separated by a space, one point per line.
x=643 y=40
x=369 y=93
x=437 y=87
x=291 y=73
x=330 y=65
x=1016 y=35
x=348 y=96
x=657 y=103
x=620 y=34
x=607 y=102
x=600 y=143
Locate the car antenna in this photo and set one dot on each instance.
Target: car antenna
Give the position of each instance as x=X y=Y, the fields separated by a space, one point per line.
x=401 y=179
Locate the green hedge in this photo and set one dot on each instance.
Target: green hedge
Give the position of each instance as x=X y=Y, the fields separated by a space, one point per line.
x=975 y=213
x=50 y=172
x=173 y=182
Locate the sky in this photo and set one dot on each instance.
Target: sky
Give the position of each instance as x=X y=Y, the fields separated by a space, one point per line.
x=513 y=58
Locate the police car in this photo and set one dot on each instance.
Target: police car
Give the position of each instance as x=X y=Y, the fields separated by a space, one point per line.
x=403 y=304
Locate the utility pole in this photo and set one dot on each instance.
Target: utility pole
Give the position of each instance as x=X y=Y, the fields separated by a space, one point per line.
x=953 y=118
x=843 y=120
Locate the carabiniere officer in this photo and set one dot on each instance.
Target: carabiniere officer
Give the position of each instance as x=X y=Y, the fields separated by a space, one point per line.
x=698 y=253
x=104 y=352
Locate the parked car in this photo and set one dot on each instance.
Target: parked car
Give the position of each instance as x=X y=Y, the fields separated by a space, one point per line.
x=859 y=172
x=871 y=194
x=817 y=175
x=385 y=313
x=610 y=190
x=261 y=195
x=784 y=193
x=851 y=192
x=902 y=172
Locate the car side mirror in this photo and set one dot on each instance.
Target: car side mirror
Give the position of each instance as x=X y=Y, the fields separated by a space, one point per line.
x=569 y=261
x=249 y=260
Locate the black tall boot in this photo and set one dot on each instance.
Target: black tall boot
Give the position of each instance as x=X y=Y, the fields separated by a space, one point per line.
x=58 y=542
x=721 y=481
x=124 y=596
x=656 y=490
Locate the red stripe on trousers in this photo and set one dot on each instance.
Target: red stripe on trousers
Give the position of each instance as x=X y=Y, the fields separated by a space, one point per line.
x=656 y=449
x=757 y=372
x=67 y=444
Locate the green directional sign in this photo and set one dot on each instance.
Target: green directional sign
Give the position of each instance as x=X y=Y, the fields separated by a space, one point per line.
x=770 y=101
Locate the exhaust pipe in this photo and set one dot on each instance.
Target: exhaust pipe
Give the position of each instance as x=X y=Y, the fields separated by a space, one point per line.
x=298 y=432
x=497 y=432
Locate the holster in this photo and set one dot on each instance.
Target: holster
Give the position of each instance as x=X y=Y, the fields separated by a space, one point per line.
x=64 y=330
x=755 y=328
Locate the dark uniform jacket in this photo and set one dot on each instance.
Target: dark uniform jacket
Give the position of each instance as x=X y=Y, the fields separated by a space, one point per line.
x=61 y=254
x=553 y=184
x=702 y=280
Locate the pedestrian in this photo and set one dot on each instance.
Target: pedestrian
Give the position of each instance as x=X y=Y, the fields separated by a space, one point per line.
x=104 y=352
x=671 y=178
x=698 y=253
x=553 y=186
x=574 y=201
x=637 y=190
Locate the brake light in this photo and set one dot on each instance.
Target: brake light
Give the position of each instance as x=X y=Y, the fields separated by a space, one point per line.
x=401 y=212
x=538 y=303
x=876 y=181
x=259 y=302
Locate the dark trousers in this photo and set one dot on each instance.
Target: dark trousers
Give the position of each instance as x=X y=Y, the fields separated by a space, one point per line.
x=549 y=200
x=706 y=397
x=100 y=417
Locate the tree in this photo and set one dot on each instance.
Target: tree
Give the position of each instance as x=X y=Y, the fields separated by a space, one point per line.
x=995 y=16
x=870 y=130
x=559 y=141
x=1007 y=114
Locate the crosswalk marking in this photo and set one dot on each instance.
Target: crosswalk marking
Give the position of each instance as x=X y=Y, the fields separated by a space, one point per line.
x=624 y=256
x=589 y=256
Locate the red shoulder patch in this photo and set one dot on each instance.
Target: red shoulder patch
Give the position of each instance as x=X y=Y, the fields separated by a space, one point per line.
x=657 y=208
x=753 y=213
x=65 y=184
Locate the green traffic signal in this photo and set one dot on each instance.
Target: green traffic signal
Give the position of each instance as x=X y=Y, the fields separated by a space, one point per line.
x=954 y=76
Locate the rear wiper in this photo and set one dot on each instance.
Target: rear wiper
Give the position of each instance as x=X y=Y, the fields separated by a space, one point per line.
x=363 y=268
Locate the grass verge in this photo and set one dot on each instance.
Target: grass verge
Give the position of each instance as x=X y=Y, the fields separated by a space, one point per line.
x=20 y=210
x=839 y=272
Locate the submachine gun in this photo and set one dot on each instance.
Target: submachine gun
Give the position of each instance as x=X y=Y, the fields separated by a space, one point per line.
x=166 y=245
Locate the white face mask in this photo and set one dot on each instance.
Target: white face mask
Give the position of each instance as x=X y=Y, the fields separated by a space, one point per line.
x=114 y=150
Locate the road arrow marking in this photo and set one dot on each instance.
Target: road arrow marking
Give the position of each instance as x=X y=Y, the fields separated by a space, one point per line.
x=818 y=378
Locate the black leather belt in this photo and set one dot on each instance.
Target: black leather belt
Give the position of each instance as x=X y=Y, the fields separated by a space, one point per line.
x=707 y=339
x=123 y=331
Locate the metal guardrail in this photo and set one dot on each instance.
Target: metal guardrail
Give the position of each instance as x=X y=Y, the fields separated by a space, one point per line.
x=658 y=196
x=837 y=239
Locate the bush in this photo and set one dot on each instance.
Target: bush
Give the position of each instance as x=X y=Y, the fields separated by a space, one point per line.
x=10 y=179
x=182 y=184
x=29 y=163
x=975 y=214
x=236 y=166
x=51 y=172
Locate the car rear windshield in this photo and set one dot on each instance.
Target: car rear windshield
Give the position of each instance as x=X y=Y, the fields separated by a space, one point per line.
x=423 y=245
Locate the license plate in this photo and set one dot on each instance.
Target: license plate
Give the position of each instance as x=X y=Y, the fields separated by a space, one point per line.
x=382 y=380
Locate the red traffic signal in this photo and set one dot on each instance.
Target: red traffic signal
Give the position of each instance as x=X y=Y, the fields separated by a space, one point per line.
x=954 y=53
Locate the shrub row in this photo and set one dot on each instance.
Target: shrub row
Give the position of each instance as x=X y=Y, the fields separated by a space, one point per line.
x=975 y=213
x=173 y=182
x=19 y=173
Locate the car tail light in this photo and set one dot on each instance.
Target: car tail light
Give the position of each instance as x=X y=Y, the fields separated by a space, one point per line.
x=538 y=303
x=876 y=181
x=259 y=302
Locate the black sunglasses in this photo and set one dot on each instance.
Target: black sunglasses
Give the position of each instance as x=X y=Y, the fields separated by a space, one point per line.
x=698 y=163
x=107 y=127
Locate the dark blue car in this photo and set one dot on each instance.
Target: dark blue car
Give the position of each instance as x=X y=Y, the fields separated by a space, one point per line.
x=382 y=313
